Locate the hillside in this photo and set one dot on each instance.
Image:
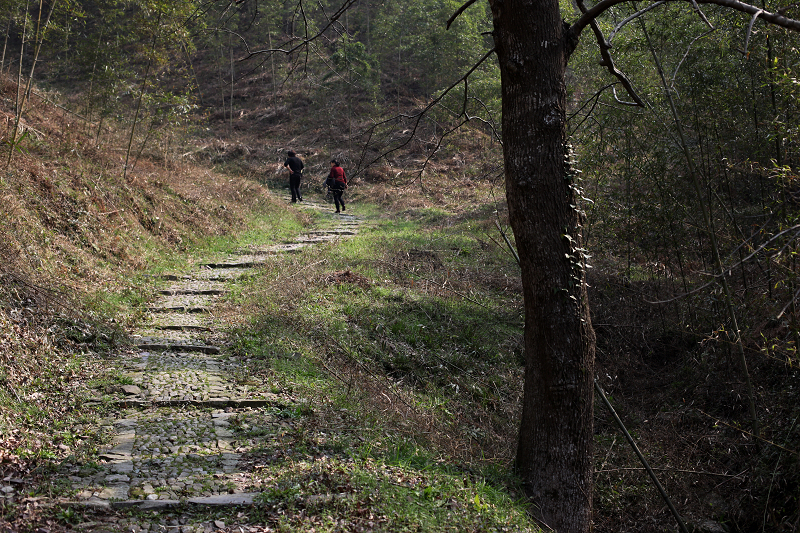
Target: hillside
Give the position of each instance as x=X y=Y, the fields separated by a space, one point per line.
x=406 y=340
x=76 y=239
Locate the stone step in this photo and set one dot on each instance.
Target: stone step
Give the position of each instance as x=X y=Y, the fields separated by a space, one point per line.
x=235 y=264
x=192 y=292
x=187 y=286
x=177 y=309
x=155 y=336
x=314 y=239
x=273 y=249
x=181 y=327
x=211 y=403
x=217 y=274
x=166 y=345
x=175 y=319
x=221 y=500
x=335 y=231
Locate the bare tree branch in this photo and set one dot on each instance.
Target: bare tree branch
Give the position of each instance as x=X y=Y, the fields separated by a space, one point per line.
x=750 y=29
x=726 y=270
x=675 y=74
x=784 y=10
x=637 y=103
x=466 y=118
x=492 y=126
x=438 y=145
x=777 y=18
x=307 y=39
x=608 y=62
x=417 y=118
x=632 y=17
x=458 y=12
x=594 y=99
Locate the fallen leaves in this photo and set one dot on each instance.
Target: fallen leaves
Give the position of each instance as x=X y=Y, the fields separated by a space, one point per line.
x=347 y=276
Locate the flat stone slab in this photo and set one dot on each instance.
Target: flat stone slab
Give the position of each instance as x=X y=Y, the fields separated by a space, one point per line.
x=226 y=499
x=335 y=231
x=92 y=503
x=161 y=346
x=114 y=492
x=218 y=274
x=200 y=292
x=186 y=300
x=269 y=400
x=160 y=336
x=315 y=239
x=273 y=249
x=196 y=287
x=178 y=321
x=178 y=309
x=248 y=262
x=146 y=504
x=288 y=247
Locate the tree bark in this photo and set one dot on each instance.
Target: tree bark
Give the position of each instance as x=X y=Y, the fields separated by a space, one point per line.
x=554 y=453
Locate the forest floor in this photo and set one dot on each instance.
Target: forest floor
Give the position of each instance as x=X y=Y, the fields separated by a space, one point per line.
x=193 y=439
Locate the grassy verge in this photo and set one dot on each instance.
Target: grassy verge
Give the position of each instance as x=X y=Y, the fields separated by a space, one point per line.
x=405 y=342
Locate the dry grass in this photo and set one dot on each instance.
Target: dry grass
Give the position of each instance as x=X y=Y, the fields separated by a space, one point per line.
x=71 y=230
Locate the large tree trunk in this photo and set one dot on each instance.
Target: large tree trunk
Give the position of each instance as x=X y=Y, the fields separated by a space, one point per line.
x=554 y=454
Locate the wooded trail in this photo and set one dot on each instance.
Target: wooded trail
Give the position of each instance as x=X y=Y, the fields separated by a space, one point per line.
x=182 y=434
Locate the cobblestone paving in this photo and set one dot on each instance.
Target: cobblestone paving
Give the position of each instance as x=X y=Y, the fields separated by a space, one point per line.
x=174 y=443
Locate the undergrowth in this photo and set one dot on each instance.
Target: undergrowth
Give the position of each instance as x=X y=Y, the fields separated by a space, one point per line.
x=406 y=327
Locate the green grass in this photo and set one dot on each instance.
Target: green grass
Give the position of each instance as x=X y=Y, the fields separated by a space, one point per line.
x=404 y=493
x=401 y=310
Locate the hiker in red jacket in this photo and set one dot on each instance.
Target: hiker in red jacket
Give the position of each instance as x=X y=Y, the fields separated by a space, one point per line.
x=337 y=182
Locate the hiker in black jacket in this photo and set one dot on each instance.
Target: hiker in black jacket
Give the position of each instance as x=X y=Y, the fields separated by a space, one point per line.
x=295 y=166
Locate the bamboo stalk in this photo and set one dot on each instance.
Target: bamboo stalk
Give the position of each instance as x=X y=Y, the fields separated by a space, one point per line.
x=711 y=234
x=641 y=457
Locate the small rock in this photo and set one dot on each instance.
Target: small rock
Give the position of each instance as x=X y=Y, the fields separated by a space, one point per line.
x=709 y=526
x=219 y=523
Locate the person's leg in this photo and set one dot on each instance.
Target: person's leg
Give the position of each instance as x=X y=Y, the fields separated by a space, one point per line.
x=337 y=198
x=294 y=186
x=296 y=190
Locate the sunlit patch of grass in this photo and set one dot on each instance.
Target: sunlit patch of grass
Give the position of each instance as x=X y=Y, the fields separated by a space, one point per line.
x=414 y=324
x=403 y=489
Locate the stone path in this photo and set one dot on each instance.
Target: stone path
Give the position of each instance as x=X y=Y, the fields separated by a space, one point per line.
x=185 y=421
